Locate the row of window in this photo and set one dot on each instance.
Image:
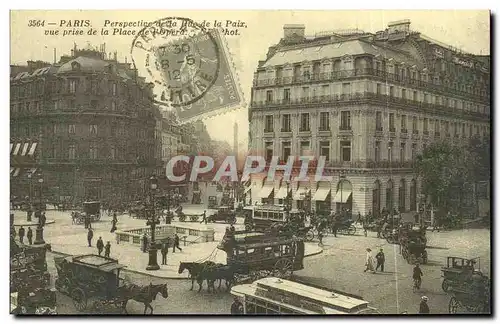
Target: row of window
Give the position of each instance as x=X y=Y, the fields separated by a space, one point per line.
x=55 y=105
x=381 y=89
x=94 y=152
x=345 y=123
x=72 y=129
x=72 y=85
x=345 y=154
x=397 y=72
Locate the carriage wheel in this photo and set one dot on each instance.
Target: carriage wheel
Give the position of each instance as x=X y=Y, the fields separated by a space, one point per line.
x=283 y=268
x=445 y=285
x=98 y=217
x=99 y=306
x=453 y=305
x=230 y=220
x=79 y=299
x=248 y=227
x=182 y=218
x=63 y=285
x=309 y=235
x=351 y=230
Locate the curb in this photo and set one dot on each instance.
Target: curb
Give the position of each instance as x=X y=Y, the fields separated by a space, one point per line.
x=50 y=221
x=313 y=254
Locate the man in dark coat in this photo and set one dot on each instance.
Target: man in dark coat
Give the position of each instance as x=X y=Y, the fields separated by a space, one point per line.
x=176 y=243
x=30 y=236
x=90 y=235
x=100 y=245
x=21 y=234
x=424 y=308
x=380 y=260
x=236 y=307
x=164 y=252
x=107 y=249
x=204 y=219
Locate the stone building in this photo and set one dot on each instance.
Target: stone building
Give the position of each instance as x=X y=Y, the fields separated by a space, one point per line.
x=367 y=102
x=93 y=120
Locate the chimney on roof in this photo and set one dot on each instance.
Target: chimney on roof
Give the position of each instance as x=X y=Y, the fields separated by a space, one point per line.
x=294 y=30
x=399 y=26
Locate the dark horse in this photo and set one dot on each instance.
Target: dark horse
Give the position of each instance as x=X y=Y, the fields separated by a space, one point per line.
x=209 y=271
x=142 y=294
x=196 y=270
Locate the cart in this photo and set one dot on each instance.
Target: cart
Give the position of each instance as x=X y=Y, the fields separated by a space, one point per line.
x=459 y=272
x=90 y=279
x=225 y=214
x=471 y=295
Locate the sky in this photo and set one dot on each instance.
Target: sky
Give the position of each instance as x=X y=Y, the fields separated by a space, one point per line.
x=464 y=29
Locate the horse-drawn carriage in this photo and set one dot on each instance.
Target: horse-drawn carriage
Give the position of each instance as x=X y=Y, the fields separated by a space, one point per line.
x=250 y=256
x=413 y=244
x=468 y=285
x=89 y=278
x=91 y=210
x=96 y=279
x=225 y=214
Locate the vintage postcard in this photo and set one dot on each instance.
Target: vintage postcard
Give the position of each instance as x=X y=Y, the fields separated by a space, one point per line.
x=250 y=162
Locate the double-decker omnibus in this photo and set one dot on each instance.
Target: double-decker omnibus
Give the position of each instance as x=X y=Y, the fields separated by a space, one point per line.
x=262 y=217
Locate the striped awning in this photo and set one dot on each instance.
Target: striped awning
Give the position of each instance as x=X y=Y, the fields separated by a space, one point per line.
x=23 y=149
x=321 y=193
x=282 y=192
x=16 y=172
x=342 y=195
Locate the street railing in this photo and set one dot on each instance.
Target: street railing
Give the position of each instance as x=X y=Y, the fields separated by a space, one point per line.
x=134 y=235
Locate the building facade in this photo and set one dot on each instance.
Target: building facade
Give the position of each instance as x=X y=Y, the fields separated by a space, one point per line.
x=369 y=103
x=94 y=123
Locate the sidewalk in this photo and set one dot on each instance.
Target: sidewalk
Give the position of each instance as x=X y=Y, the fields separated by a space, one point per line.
x=20 y=219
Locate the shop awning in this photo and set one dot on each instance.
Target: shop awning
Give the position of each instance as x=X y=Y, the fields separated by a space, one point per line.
x=282 y=193
x=247 y=189
x=301 y=192
x=32 y=149
x=16 y=149
x=16 y=172
x=25 y=149
x=266 y=190
x=321 y=194
x=342 y=196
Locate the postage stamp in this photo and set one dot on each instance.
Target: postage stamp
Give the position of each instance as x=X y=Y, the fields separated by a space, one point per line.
x=190 y=66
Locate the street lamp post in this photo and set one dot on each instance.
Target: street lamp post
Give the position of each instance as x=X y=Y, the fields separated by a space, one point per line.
x=39 y=229
x=29 y=213
x=152 y=222
x=287 y=198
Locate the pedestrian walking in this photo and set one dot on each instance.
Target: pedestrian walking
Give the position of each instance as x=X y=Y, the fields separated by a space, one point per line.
x=176 y=243
x=107 y=249
x=424 y=308
x=144 y=243
x=236 y=307
x=30 y=236
x=30 y=213
x=369 y=261
x=334 y=218
x=43 y=219
x=100 y=245
x=204 y=219
x=380 y=260
x=113 y=225
x=21 y=234
x=90 y=235
x=417 y=276
x=164 y=252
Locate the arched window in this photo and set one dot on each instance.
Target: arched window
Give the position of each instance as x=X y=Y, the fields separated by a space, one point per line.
x=389 y=195
x=402 y=195
x=413 y=195
x=376 y=198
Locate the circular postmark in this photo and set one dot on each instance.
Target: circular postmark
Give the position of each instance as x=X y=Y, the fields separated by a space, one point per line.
x=179 y=56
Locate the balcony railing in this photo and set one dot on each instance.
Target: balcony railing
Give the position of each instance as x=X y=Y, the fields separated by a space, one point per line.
x=357 y=97
x=345 y=127
x=368 y=72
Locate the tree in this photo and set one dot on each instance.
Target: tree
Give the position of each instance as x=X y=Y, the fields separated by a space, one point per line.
x=443 y=172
